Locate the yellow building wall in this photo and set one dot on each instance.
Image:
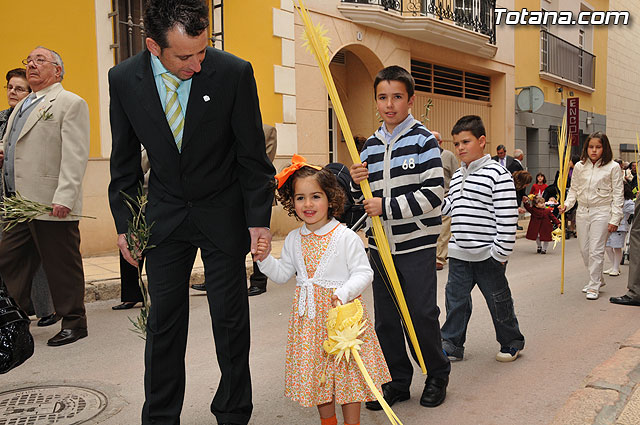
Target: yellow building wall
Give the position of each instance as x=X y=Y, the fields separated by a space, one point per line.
x=69 y=28
x=527 y=55
x=248 y=33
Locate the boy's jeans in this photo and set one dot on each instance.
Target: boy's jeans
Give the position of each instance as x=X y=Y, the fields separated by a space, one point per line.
x=490 y=278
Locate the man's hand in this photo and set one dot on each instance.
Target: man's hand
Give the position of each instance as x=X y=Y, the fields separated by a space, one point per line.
x=612 y=228
x=562 y=209
x=359 y=172
x=373 y=206
x=263 y=234
x=59 y=211
x=124 y=249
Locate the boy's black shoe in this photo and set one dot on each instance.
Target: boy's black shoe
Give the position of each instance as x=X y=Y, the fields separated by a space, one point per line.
x=539 y=250
x=391 y=396
x=435 y=391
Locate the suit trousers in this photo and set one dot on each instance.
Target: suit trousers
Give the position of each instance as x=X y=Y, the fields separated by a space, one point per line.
x=40 y=294
x=633 y=283
x=129 y=285
x=442 y=250
x=57 y=245
x=169 y=266
x=592 y=227
x=417 y=275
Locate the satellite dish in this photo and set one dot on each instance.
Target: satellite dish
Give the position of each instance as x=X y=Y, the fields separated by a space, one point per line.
x=530 y=99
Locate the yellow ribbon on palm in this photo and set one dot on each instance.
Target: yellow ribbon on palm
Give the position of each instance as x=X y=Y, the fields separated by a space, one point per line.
x=318 y=44
x=344 y=326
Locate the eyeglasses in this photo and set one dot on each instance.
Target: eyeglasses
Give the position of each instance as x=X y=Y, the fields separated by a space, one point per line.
x=38 y=60
x=16 y=89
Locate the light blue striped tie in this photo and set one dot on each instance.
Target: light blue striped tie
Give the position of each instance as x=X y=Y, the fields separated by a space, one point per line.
x=172 y=108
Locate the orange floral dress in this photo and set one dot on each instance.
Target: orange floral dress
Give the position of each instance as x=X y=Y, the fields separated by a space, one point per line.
x=306 y=359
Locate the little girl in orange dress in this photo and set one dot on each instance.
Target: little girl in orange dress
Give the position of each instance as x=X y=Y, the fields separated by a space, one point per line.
x=331 y=268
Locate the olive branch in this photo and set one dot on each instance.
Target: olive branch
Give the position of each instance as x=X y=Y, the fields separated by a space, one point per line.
x=137 y=237
x=16 y=209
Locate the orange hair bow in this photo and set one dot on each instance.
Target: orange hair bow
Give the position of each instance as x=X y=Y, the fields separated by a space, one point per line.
x=297 y=162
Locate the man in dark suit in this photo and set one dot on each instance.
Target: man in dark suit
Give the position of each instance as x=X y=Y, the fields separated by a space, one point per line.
x=195 y=110
x=502 y=157
x=516 y=164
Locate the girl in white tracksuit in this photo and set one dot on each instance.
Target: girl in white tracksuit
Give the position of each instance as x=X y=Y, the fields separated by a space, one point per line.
x=597 y=186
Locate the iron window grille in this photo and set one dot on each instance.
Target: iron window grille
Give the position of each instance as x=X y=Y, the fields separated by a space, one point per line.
x=475 y=15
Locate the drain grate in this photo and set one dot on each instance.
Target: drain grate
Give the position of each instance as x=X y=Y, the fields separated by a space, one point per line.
x=59 y=404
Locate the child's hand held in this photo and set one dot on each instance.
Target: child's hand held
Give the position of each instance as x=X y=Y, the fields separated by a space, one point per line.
x=373 y=206
x=359 y=172
x=335 y=301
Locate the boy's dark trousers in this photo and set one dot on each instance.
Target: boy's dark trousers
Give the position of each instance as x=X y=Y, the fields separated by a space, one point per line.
x=417 y=275
x=490 y=277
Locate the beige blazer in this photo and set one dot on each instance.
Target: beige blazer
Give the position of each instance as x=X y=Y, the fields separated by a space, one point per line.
x=52 y=151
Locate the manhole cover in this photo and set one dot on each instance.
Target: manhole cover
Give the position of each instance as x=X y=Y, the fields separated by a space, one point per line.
x=61 y=405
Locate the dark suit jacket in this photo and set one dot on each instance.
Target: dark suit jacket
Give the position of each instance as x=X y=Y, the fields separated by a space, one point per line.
x=514 y=166
x=222 y=179
x=508 y=162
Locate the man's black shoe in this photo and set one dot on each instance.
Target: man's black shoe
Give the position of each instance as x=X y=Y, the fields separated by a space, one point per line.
x=67 y=336
x=435 y=391
x=199 y=287
x=391 y=396
x=48 y=320
x=124 y=306
x=256 y=290
x=624 y=300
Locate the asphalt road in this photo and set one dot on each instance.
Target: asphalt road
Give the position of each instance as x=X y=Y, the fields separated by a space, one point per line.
x=566 y=337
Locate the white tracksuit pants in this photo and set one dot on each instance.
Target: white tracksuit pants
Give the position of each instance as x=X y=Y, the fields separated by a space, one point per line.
x=592 y=227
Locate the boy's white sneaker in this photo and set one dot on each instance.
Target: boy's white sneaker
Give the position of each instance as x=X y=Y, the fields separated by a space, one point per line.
x=592 y=294
x=507 y=354
x=613 y=273
x=607 y=271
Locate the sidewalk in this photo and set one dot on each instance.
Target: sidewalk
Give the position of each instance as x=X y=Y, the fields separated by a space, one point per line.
x=611 y=393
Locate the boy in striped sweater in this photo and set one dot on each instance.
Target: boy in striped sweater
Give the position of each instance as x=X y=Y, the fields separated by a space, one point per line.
x=402 y=162
x=484 y=214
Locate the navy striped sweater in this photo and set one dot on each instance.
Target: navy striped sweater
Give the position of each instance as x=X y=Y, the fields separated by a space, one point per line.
x=484 y=211
x=406 y=172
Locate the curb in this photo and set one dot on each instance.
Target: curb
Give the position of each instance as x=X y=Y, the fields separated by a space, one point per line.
x=109 y=289
x=611 y=393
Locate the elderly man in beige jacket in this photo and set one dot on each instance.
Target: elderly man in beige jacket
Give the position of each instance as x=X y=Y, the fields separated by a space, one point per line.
x=45 y=152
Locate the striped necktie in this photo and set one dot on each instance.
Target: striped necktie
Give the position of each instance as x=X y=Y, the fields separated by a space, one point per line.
x=172 y=108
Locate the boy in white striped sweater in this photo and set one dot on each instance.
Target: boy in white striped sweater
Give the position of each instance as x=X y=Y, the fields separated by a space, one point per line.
x=484 y=214
x=403 y=165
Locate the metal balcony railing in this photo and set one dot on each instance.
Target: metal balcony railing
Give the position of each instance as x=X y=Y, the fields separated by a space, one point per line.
x=565 y=60
x=475 y=15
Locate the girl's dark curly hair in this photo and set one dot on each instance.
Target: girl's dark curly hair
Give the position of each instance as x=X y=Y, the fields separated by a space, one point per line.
x=327 y=181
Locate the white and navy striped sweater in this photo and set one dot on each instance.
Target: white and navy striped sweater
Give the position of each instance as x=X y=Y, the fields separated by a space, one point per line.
x=406 y=172
x=484 y=211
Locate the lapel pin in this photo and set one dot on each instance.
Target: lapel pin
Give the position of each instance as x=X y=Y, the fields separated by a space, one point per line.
x=206 y=98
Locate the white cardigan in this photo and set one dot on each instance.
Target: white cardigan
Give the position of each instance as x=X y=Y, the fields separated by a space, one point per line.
x=595 y=186
x=343 y=266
